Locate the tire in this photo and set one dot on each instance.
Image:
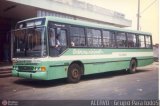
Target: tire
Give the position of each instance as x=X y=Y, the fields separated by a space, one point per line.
x=132 y=66
x=74 y=73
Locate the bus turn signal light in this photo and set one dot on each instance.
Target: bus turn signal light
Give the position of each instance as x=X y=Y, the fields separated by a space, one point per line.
x=43 y=68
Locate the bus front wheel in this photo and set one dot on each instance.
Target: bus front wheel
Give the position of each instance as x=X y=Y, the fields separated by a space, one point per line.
x=74 y=73
x=132 y=66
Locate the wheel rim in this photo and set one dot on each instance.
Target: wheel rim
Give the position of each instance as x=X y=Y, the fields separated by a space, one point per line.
x=133 y=66
x=75 y=73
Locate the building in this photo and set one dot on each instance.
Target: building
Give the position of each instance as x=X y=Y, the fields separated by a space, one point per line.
x=12 y=11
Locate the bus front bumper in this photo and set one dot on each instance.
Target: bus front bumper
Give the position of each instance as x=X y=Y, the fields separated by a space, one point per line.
x=29 y=75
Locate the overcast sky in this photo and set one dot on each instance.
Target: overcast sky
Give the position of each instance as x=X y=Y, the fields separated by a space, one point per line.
x=149 y=17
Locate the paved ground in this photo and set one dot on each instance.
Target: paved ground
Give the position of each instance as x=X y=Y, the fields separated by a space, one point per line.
x=112 y=85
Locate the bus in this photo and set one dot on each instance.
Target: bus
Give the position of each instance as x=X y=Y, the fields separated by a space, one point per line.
x=47 y=48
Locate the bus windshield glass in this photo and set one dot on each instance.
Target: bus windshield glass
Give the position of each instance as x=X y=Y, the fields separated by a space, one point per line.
x=29 y=42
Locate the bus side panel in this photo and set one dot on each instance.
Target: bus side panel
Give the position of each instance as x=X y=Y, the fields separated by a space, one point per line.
x=105 y=67
x=144 y=62
x=91 y=68
x=114 y=65
x=57 y=72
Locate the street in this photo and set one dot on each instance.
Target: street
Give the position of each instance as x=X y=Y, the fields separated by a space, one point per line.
x=118 y=85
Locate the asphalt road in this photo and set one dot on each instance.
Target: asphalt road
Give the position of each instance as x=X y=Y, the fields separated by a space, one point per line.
x=142 y=85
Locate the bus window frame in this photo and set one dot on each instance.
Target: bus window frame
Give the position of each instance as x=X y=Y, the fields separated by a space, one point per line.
x=70 y=28
x=114 y=39
x=150 y=41
x=135 y=38
x=66 y=28
x=138 y=36
x=116 y=34
x=92 y=37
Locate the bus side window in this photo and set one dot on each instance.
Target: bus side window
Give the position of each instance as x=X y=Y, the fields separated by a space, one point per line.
x=148 y=41
x=141 y=41
x=131 y=38
x=108 y=39
x=77 y=36
x=94 y=37
x=121 y=40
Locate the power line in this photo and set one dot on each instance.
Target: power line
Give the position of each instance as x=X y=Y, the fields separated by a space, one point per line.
x=148 y=6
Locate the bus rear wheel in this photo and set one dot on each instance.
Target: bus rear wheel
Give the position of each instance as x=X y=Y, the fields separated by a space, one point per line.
x=74 y=73
x=132 y=66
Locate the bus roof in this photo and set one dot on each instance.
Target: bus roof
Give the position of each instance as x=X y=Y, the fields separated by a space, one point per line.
x=87 y=24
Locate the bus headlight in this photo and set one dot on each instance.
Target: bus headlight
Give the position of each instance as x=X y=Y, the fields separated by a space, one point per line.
x=15 y=68
x=38 y=69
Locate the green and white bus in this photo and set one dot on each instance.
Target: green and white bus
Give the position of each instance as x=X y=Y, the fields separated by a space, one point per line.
x=48 y=48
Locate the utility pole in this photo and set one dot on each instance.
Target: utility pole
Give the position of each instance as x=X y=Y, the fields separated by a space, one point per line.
x=138 y=15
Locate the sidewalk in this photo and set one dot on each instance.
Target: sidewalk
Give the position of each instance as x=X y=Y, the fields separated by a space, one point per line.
x=5 y=69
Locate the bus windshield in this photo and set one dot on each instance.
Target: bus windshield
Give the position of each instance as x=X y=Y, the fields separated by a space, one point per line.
x=29 y=42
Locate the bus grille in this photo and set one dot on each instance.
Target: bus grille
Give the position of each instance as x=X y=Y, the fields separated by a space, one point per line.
x=25 y=69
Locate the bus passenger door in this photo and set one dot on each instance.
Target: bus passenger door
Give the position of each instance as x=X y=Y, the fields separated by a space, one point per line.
x=62 y=39
x=57 y=36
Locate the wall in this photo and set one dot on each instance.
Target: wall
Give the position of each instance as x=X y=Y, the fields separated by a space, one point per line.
x=5 y=26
